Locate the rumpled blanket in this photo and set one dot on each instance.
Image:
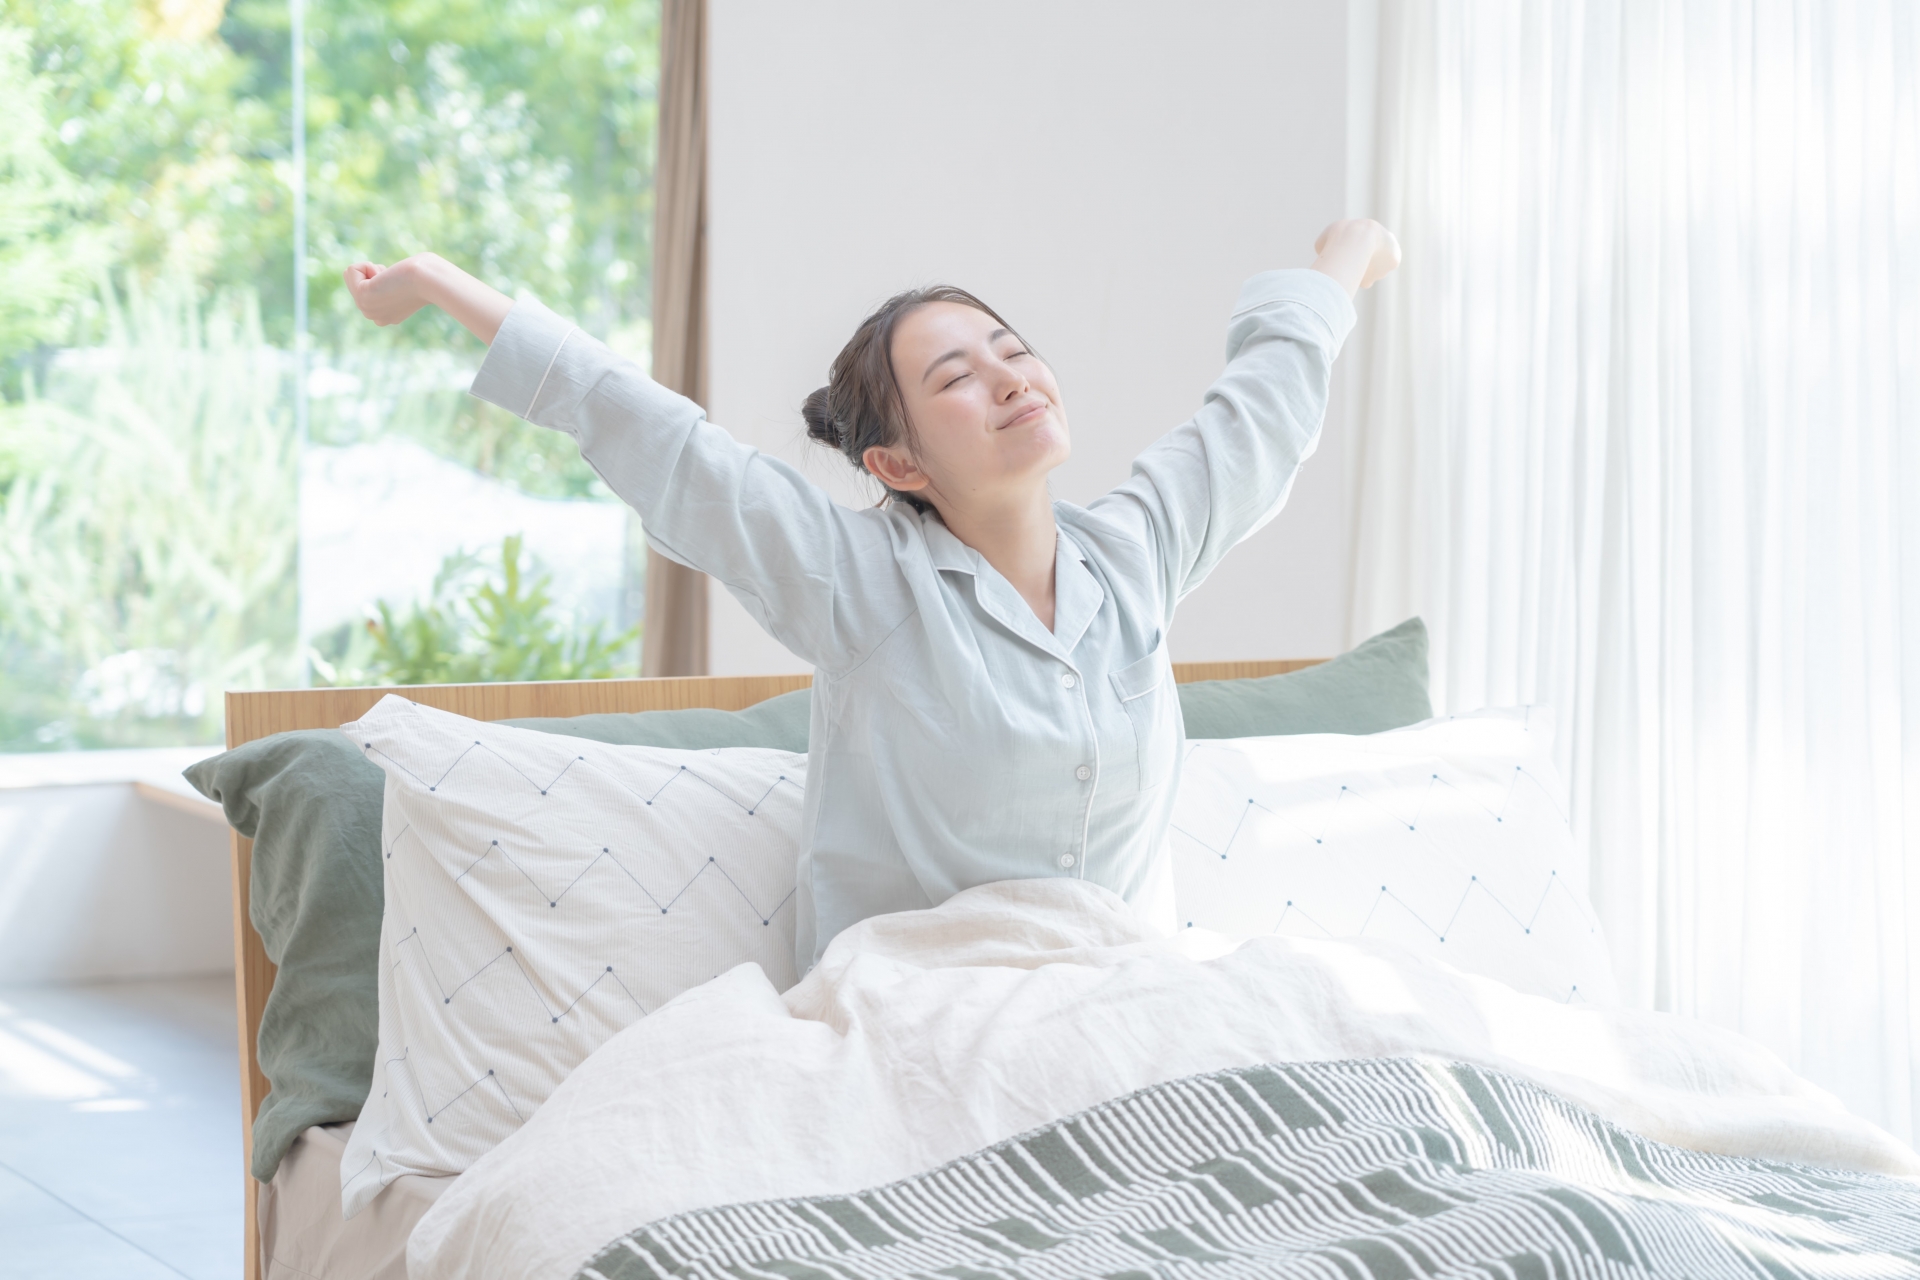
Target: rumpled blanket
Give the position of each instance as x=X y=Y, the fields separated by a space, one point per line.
x=927 y=1037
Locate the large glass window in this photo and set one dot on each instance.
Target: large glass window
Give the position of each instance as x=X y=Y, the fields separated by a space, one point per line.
x=208 y=482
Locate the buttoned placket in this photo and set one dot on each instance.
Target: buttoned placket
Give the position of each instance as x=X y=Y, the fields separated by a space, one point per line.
x=1078 y=598
x=1086 y=774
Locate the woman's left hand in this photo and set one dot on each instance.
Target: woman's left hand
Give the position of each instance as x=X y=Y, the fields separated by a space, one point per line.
x=1356 y=252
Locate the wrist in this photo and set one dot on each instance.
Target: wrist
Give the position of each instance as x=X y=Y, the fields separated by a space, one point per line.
x=1358 y=235
x=431 y=280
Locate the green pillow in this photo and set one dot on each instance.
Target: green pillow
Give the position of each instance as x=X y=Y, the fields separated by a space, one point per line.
x=1381 y=684
x=778 y=722
x=310 y=803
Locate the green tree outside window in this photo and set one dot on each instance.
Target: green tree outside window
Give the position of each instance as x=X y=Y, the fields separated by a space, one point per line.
x=148 y=474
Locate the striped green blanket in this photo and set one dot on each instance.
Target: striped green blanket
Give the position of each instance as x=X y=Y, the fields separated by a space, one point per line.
x=1378 y=1170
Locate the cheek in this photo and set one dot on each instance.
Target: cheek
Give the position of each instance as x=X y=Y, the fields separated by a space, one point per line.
x=951 y=431
x=1042 y=379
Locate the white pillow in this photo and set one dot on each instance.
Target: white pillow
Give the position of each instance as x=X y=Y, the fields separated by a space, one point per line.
x=1447 y=836
x=543 y=892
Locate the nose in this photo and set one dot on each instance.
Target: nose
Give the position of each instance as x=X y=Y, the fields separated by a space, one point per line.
x=1009 y=382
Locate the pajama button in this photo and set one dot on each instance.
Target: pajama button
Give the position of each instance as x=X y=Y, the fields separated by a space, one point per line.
x=1068 y=680
x=1083 y=773
x=1066 y=861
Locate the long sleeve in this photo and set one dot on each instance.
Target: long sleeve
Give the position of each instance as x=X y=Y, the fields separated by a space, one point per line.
x=820 y=578
x=1217 y=478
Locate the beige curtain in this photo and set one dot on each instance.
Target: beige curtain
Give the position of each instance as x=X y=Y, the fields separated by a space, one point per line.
x=675 y=638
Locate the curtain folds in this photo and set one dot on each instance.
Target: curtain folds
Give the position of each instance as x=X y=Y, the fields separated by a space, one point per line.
x=674 y=641
x=1640 y=438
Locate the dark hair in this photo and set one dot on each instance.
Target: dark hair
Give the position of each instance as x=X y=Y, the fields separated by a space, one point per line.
x=861 y=405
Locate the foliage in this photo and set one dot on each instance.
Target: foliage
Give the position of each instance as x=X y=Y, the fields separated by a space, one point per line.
x=147 y=440
x=516 y=138
x=364 y=395
x=475 y=626
x=45 y=251
x=147 y=537
x=452 y=169
x=172 y=159
x=148 y=547
x=552 y=104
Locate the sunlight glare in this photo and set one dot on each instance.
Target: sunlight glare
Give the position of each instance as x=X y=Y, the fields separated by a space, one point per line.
x=28 y=1071
x=78 y=1050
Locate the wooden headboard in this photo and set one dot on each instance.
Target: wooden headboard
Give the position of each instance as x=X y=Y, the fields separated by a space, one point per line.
x=256 y=715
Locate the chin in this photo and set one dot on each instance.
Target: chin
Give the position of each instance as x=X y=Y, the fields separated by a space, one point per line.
x=1041 y=452
x=1059 y=449
x=1044 y=456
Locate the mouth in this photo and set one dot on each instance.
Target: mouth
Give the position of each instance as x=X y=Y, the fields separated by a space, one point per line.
x=1027 y=415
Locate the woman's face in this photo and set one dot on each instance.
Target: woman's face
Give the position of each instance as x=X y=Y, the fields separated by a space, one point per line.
x=986 y=412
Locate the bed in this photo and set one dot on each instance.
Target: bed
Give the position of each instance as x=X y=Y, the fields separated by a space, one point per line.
x=1031 y=1080
x=298 y=1202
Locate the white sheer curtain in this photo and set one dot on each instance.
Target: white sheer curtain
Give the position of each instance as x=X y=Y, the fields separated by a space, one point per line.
x=1641 y=439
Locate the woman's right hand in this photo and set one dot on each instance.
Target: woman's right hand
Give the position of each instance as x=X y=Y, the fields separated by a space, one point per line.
x=388 y=295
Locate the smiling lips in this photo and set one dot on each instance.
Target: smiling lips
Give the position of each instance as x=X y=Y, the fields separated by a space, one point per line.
x=1038 y=406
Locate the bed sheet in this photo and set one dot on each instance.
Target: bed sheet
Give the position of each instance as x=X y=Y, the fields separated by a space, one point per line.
x=301 y=1230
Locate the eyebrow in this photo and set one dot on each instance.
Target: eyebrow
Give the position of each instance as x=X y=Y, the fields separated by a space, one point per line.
x=957 y=353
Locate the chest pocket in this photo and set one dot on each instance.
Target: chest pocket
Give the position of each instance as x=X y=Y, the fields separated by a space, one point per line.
x=1146 y=692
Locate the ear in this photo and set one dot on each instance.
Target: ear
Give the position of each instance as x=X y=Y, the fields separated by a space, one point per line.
x=892 y=467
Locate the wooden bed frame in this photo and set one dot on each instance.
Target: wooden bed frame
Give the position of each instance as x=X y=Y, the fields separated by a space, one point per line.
x=256 y=715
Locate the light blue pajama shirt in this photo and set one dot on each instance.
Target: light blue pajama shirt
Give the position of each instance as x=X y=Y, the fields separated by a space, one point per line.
x=955 y=740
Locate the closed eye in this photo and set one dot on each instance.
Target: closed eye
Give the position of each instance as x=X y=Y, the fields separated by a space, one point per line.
x=956 y=379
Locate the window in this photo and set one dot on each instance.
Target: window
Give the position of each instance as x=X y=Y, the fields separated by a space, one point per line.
x=208 y=481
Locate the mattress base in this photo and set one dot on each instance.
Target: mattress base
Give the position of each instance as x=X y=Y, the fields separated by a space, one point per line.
x=302 y=1233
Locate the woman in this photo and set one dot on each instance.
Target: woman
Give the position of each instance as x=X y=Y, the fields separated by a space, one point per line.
x=992 y=697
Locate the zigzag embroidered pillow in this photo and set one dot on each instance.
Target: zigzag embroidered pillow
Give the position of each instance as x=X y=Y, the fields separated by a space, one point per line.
x=1447 y=836
x=543 y=892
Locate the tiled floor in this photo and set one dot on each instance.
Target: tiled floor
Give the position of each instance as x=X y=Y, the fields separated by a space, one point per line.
x=120 y=1131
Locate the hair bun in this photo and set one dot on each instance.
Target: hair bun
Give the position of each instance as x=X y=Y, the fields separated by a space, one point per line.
x=819 y=418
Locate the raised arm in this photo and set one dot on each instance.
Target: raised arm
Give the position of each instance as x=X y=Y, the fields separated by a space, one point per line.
x=1217 y=478
x=817 y=576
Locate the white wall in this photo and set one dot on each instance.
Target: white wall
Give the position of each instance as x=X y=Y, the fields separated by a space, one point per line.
x=109 y=871
x=1105 y=175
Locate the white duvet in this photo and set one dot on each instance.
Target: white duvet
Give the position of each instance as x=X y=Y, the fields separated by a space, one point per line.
x=926 y=1036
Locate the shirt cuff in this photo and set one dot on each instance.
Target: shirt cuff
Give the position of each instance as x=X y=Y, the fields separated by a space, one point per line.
x=518 y=372
x=1317 y=291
